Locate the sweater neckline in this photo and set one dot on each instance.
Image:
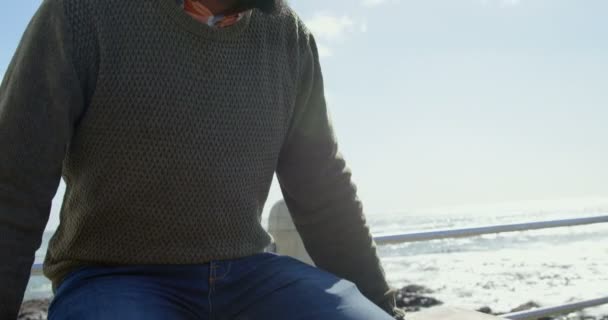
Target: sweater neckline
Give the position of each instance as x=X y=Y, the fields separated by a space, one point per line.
x=178 y=15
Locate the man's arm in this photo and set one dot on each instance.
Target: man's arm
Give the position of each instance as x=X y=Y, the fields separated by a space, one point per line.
x=318 y=191
x=40 y=100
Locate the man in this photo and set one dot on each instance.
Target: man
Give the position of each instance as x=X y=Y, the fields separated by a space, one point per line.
x=167 y=120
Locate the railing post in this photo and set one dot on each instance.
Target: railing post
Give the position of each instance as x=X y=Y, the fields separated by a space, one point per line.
x=286 y=237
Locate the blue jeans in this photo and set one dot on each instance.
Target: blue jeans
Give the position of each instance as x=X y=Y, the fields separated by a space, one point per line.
x=261 y=287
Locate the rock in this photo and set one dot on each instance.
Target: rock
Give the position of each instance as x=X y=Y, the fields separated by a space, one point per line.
x=486 y=310
x=412 y=298
x=526 y=306
x=529 y=306
x=34 y=310
x=418 y=289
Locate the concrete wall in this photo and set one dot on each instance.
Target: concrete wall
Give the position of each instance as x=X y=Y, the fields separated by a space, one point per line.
x=286 y=237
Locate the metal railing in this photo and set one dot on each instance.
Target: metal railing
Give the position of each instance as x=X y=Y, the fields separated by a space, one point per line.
x=478 y=231
x=553 y=311
x=472 y=232
x=37 y=269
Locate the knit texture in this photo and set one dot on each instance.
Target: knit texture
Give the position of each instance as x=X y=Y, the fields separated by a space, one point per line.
x=168 y=133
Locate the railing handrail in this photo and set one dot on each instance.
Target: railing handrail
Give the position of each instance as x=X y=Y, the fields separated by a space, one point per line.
x=36 y=269
x=477 y=231
x=462 y=233
x=553 y=311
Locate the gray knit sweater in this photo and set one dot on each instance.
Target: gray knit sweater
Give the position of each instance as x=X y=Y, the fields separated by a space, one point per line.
x=168 y=133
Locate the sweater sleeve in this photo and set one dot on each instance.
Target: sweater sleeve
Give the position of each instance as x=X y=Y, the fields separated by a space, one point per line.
x=317 y=188
x=40 y=100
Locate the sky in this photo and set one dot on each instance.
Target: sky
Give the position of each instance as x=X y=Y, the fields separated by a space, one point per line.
x=454 y=105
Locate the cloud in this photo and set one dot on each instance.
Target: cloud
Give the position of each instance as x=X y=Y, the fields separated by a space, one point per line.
x=324 y=51
x=375 y=3
x=372 y=3
x=510 y=2
x=329 y=27
x=501 y=3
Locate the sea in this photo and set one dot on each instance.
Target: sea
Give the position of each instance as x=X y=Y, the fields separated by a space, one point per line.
x=502 y=271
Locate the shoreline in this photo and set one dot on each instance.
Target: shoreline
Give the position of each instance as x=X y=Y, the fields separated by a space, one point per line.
x=411 y=298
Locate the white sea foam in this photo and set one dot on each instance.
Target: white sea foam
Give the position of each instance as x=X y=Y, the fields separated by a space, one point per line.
x=550 y=267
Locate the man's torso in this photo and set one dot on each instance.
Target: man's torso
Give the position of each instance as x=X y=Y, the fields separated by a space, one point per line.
x=172 y=160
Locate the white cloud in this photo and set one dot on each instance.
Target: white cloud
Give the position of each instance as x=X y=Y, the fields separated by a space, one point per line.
x=510 y=2
x=324 y=51
x=375 y=3
x=501 y=3
x=372 y=3
x=329 y=27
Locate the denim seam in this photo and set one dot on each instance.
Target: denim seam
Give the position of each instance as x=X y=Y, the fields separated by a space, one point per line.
x=211 y=287
x=223 y=276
